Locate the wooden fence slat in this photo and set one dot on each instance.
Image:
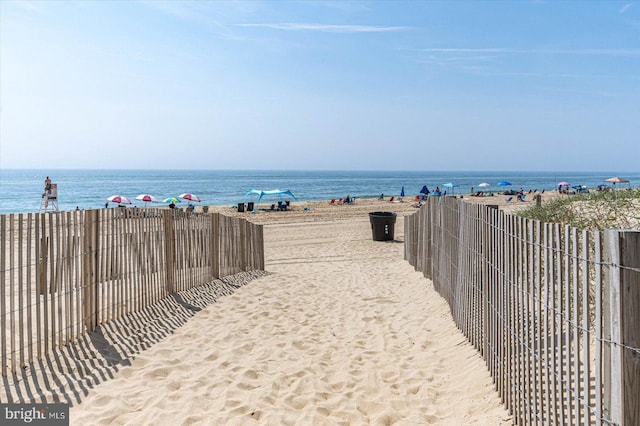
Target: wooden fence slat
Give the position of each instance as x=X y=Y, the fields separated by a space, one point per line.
x=575 y=338
x=611 y=317
x=31 y=265
x=3 y=292
x=599 y=322
x=40 y=266
x=12 y=296
x=540 y=255
x=552 y=313
x=586 y=340
x=21 y=291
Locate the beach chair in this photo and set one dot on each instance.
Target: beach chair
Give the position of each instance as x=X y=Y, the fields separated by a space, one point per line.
x=391 y=199
x=332 y=202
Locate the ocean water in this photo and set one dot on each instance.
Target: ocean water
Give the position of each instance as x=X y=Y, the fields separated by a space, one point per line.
x=21 y=190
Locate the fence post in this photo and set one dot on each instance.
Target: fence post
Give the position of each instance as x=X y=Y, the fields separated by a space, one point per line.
x=630 y=295
x=168 y=219
x=215 y=245
x=89 y=291
x=622 y=304
x=260 y=230
x=427 y=238
x=244 y=245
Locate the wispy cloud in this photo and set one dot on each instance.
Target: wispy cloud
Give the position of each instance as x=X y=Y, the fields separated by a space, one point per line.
x=497 y=61
x=327 y=28
x=625 y=7
x=591 y=52
x=468 y=50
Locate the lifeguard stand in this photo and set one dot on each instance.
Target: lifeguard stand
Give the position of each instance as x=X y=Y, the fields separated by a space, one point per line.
x=50 y=199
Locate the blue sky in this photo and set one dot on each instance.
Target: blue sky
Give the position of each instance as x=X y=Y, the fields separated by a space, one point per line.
x=371 y=85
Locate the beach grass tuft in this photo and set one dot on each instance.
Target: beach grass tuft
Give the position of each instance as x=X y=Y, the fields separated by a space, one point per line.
x=594 y=210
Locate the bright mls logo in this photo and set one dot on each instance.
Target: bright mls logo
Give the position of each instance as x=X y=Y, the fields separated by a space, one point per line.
x=36 y=414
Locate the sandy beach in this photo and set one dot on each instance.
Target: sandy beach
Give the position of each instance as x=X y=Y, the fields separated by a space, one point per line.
x=339 y=330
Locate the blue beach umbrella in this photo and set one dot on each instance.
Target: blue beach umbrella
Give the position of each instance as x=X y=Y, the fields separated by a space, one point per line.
x=402 y=192
x=424 y=190
x=504 y=183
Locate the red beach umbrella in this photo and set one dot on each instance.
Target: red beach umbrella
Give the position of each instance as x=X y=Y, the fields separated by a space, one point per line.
x=190 y=197
x=119 y=199
x=147 y=198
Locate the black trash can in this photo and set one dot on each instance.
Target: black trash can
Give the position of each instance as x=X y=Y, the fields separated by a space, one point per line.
x=382 y=225
x=250 y=206
x=240 y=207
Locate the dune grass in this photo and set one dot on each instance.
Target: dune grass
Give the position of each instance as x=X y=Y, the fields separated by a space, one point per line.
x=593 y=210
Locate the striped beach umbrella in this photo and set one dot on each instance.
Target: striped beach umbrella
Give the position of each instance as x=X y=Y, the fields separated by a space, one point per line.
x=147 y=198
x=190 y=197
x=119 y=199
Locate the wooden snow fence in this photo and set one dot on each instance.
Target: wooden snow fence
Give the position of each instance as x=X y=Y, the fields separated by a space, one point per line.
x=554 y=311
x=62 y=274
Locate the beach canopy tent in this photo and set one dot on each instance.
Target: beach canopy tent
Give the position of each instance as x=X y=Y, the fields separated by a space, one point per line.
x=279 y=193
x=452 y=186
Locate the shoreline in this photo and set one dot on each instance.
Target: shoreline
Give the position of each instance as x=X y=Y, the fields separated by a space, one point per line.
x=89 y=189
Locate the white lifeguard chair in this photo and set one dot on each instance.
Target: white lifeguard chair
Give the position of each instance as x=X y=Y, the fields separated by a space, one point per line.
x=50 y=199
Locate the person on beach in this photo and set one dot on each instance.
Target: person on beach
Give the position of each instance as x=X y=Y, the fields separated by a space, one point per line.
x=47 y=186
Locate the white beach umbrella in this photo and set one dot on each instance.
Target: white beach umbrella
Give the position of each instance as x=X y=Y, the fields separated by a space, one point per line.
x=119 y=199
x=190 y=197
x=147 y=198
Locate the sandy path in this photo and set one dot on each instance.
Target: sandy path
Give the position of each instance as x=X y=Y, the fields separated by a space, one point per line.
x=342 y=331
